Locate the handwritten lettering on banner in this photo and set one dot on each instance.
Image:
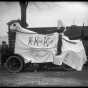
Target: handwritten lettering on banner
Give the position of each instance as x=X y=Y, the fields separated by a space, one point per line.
x=42 y=41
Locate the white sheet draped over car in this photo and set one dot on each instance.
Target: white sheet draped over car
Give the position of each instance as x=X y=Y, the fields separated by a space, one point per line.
x=38 y=48
x=73 y=54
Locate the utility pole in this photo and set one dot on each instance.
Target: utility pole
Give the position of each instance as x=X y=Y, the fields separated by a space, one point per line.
x=23 y=6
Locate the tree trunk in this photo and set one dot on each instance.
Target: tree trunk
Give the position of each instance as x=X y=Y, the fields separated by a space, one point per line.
x=23 y=6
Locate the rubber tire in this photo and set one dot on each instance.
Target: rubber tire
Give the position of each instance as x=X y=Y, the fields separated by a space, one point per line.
x=19 y=59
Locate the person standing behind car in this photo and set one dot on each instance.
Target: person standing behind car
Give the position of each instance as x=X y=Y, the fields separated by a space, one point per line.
x=0 y=53
x=4 y=52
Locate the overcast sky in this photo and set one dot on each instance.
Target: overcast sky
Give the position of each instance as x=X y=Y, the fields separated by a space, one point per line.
x=47 y=13
x=44 y=14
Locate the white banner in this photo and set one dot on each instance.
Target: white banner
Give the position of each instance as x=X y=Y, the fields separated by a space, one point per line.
x=36 y=48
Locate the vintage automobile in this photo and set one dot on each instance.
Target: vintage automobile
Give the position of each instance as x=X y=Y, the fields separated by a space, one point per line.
x=35 y=46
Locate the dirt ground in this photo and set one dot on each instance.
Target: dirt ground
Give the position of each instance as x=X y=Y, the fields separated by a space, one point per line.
x=43 y=78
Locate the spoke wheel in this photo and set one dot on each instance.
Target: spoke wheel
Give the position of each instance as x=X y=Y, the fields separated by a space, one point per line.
x=14 y=64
